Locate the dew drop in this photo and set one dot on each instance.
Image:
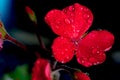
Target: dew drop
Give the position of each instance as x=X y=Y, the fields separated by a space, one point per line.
x=94 y=51
x=86 y=16
x=57 y=27
x=61 y=37
x=62 y=62
x=82 y=61
x=71 y=8
x=95 y=63
x=76 y=43
x=78 y=30
x=38 y=62
x=71 y=14
x=98 y=62
x=67 y=21
x=62 y=52
x=92 y=47
x=66 y=49
x=64 y=11
x=85 y=9
x=67 y=57
x=98 y=51
x=58 y=22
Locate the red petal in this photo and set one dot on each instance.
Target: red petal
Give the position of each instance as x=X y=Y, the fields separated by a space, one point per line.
x=92 y=47
x=72 y=22
x=80 y=16
x=89 y=57
x=101 y=39
x=81 y=76
x=41 y=70
x=63 y=49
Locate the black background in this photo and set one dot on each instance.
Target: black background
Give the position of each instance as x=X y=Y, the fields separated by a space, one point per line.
x=106 y=16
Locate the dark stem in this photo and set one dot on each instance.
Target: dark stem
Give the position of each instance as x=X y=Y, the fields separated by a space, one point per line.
x=42 y=45
x=8 y=37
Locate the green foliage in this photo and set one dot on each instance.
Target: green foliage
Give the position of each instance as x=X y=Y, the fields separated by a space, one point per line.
x=20 y=73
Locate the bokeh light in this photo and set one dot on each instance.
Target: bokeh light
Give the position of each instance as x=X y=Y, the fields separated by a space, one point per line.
x=6 y=10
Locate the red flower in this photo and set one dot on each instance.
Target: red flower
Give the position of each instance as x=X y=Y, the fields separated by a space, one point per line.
x=81 y=76
x=71 y=24
x=41 y=70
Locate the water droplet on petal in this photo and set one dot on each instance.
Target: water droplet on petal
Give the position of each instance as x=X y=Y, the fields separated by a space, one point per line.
x=86 y=16
x=71 y=8
x=81 y=8
x=82 y=61
x=98 y=62
x=62 y=62
x=71 y=14
x=58 y=23
x=85 y=9
x=64 y=10
x=92 y=47
x=98 y=51
x=67 y=21
x=94 y=63
x=78 y=30
x=57 y=27
x=62 y=52
x=95 y=50
x=66 y=49
x=67 y=57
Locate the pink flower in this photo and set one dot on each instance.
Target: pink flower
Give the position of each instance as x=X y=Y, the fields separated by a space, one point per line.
x=1 y=41
x=71 y=24
x=41 y=70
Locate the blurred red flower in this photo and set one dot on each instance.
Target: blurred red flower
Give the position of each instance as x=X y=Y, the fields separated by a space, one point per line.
x=41 y=70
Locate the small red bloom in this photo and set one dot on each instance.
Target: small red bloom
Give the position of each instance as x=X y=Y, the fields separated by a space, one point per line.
x=41 y=70
x=29 y=10
x=71 y=24
x=81 y=76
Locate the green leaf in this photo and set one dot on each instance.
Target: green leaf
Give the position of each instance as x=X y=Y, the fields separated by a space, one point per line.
x=21 y=73
x=7 y=77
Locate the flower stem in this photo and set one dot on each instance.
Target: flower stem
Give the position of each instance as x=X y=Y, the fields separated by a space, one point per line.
x=55 y=64
x=8 y=37
x=42 y=45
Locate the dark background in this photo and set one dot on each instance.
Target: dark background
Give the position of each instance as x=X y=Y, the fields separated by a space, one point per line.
x=106 y=16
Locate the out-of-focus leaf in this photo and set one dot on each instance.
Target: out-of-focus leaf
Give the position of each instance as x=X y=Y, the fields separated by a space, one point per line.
x=28 y=38
x=116 y=56
x=21 y=73
x=7 y=77
x=2 y=30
